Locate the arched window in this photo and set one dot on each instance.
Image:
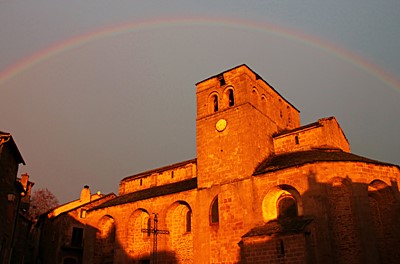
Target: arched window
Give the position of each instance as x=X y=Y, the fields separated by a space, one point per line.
x=188 y=221
x=106 y=228
x=264 y=102
x=286 y=206
x=138 y=233
x=214 y=215
x=178 y=221
x=215 y=102
x=384 y=218
x=231 y=97
x=282 y=201
x=105 y=238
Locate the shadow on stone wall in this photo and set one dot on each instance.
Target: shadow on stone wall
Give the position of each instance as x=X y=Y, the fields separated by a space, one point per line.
x=341 y=222
x=59 y=243
x=107 y=249
x=337 y=222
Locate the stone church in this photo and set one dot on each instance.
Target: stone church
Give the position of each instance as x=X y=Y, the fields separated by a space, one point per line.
x=262 y=189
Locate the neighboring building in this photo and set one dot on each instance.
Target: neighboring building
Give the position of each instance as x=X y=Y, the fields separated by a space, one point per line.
x=263 y=189
x=10 y=193
x=59 y=232
x=22 y=251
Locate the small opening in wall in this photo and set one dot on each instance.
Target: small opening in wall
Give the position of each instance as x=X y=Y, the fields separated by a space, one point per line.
x=77 y=237
x=188 y=221
x=141 y=182
x=215 y=102
x=172 y=174
x=296 y=140
x=286 y=207
x=222 y=81
x=148 y=226
x=83 y=213
x=280 y=248
x=214 y=214
x=231 y=98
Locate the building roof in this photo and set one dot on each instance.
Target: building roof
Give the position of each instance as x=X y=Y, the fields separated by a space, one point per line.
x=287 y=160
x=286 y=131
x=290 y=225
x=84 y=205
x=75 y=204
x=156 y=191
x=258 y=77
x=8 y=138
x=158 y=170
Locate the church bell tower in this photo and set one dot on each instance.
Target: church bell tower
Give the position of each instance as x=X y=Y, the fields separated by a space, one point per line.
x=237 y=114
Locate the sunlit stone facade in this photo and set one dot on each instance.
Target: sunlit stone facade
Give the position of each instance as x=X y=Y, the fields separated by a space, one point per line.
x=262 y=189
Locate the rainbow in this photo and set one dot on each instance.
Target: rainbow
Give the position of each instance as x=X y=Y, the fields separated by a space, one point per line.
x=261 y=27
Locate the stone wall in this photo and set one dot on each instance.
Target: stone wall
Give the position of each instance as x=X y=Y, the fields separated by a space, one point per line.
x=289 y=248
x=326 y=133
x=337 y=196
x=162 y=176
x=338 y=211
x=131 y=245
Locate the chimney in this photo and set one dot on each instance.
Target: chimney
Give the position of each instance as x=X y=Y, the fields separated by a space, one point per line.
x=27 y=186
x=85 y=194
x=24 y=180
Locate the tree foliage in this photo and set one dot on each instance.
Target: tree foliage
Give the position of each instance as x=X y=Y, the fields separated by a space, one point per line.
x=42 y=201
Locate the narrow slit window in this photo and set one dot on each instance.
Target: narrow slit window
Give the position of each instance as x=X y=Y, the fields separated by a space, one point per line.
x=280 y=248
x=188 y=221
x=296 y=140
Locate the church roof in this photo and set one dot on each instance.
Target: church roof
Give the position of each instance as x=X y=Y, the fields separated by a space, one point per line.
x=291 y=159
x=151 y=192
x=284 y=132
